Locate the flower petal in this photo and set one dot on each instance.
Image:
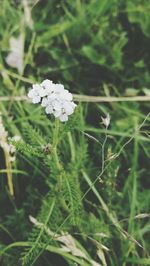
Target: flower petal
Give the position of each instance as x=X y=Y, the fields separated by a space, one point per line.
x=47 y=84
x=44 y=102
x=36 y=99
x=49 y=109
x=63 y=118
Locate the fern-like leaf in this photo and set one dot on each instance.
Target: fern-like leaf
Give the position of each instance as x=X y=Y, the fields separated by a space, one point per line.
x=32 y=253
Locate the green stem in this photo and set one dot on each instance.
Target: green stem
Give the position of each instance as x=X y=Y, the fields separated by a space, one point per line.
x=56 y=158
x=55 y=143
x=55 y=153
x=134 y=176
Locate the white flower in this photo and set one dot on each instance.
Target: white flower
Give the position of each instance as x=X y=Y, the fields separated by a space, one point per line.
x=34 y=95
x=49 y=109
x=69 y=107
x=5 y=142
x=37 y=93
x=66 y=95
x=12 y=148
x=106 y=120
x=63 y=117
x=56 y=100
x=15 y=57
x=16 y=138
x=48 y=86
x=44 y=102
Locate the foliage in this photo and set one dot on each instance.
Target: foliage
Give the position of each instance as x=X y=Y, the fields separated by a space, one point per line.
x=77 y=178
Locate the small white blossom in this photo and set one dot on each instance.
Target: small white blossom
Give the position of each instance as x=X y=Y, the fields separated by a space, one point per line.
x=48 y=85
x=106 y=120
x=9 y=152
x=45 y=102
x=49 y=109
x=56 y=100
x=15 y=56
x=37 y=93
x=63 y=117
x=16 y=138
x=5 y=142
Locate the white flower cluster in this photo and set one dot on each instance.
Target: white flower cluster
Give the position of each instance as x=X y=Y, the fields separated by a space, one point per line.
x=56 y=100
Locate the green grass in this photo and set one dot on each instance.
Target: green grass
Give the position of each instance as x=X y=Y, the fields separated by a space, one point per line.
x=93 y=183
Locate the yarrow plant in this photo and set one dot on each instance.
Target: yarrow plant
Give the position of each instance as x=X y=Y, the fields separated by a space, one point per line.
x=56 y=100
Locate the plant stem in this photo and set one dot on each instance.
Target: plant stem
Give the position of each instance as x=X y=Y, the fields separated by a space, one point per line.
x=55 y=142
x=55 y=153
x=9 y=173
